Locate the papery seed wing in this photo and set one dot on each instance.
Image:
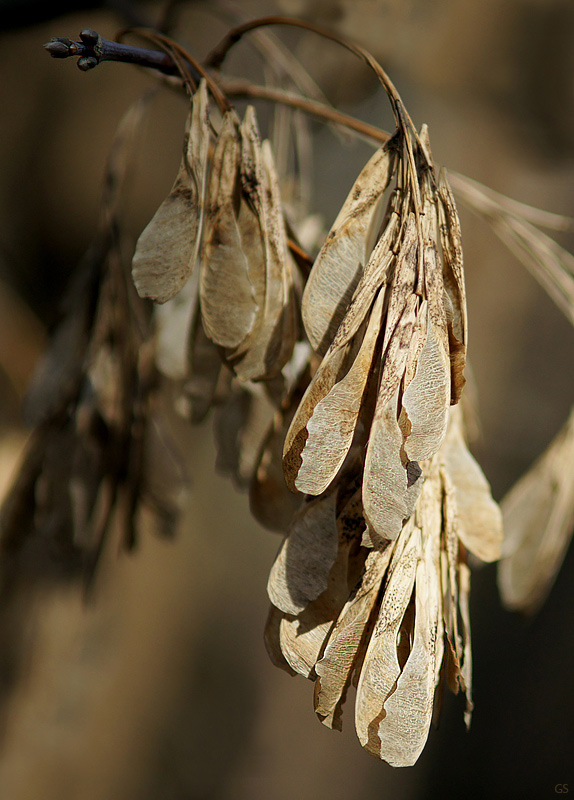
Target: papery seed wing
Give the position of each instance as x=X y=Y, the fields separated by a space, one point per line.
x=167 y=249
x=301 y=570
x=204 y=372
x=391 y=487
x=346 y=250
x=404 y=277
x=469 y=501
x=303 y=637
x=239 y=426
x=404 y=728
x=450 y=558
x=376 y=275
x=332 y=425
x=322 y=382
x=538 y=515
x=466 y=667
x=381 y=668
x=279 y=252
x=426 y=399
x=174 y=321
x=228 y=302
x=343 y=650
x=270 y=344
x=453 y=277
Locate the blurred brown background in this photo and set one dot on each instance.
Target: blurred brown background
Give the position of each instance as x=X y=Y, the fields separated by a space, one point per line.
x=160 y=687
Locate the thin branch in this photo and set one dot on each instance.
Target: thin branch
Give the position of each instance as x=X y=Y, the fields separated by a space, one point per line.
x=240 y=88
x=94 y=49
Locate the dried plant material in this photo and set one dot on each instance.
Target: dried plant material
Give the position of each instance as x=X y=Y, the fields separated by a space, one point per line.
x=335 y=668
x=370 y=586
x=268 y=347
x=390 y=488
x=466 y=668
x=381 y=668
x=427 y=398
x=538 y=515
x=303 y=637
x=454 y=286
x=228 y=301
x=469 y=506
x=301 y=570
x=322 y=382
x=549 y=263
x=336 y=363
x=174 y=321
x=240 y=423
x=404 y=623
x=204 y=373
x=346 y=251
x=404 y=727
x=168 y=248
x=272 y=641
x=87 y=461
x=328 y=444
x=414 y=347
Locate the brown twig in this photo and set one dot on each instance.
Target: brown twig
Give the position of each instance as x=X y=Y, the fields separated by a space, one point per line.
x=93 y=49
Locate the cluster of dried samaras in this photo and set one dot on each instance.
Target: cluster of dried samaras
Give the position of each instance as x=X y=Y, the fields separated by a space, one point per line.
x=358 y=364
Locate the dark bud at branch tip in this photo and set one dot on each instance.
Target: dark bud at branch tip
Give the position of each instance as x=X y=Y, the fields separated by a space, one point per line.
x=60 y=48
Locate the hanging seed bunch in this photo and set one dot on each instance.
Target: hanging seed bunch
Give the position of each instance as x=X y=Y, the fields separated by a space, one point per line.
x=391 y=619
x=334 y=383
x=219 y=241
x=371 y=583
x=99 y=454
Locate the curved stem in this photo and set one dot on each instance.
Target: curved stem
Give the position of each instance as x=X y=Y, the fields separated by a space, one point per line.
x=219 y=53
x=402 y=118
x=234 y=87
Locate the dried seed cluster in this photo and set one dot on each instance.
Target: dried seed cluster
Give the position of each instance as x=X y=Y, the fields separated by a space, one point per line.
x=99 y=453
x=392 y=619
x=335 y=388
x=371 y=583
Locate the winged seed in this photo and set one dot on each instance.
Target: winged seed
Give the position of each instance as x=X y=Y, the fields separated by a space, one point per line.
x=228 y=304
x=346 y=250
x=167 y=249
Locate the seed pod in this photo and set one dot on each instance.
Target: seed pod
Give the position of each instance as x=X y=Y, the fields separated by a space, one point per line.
x=347 y=248
x=168 y=248
x=228 y=303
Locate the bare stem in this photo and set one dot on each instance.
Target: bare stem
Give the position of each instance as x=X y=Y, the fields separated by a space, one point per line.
x=93 y=49
x=237 y=88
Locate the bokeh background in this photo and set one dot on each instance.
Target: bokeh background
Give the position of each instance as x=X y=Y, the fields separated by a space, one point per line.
x=159 y=687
